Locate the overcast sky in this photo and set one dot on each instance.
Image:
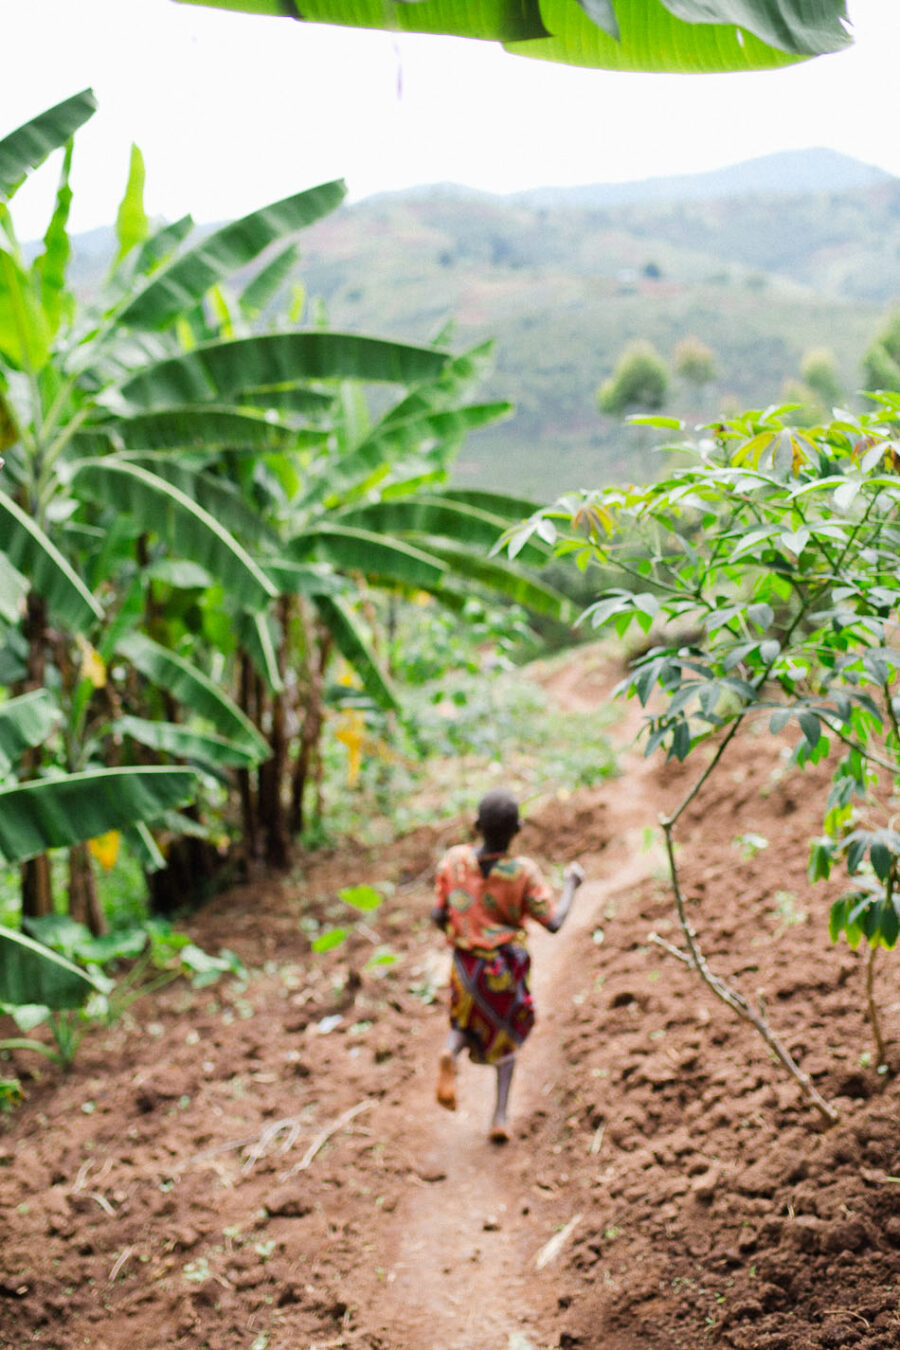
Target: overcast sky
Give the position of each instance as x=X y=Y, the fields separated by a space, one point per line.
x=233 y=111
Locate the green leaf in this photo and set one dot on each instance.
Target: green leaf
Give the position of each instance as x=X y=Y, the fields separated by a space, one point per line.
x=193 y=689
x=33 y=554
x=202 y=429
x=178 y=288
x=29 y=146
x=24 y=331
x=810 y=726
x=132 y=225
x=59 y=812
x=24 y=722
x=226 y=369
x=201 y=748
x=30 y=973
x=515 y=584
x=361 y=897
x=331 y=938
x=51 y=266
x=810 y=26
x=880 y=857
x=364 y=551
x=189 y=530
x=268 y=281
x=653 y=39
x=353 y=646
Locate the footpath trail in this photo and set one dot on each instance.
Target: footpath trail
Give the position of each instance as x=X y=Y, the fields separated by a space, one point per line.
x=466 y=1258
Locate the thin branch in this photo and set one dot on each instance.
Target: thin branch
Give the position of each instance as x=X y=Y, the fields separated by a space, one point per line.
x=732 y=997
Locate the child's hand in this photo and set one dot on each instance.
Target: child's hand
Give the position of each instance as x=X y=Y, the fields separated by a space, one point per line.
x=574 y=874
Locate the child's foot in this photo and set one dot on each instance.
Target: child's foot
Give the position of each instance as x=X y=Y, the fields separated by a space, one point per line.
x=446 y=1087
x=499 y=1133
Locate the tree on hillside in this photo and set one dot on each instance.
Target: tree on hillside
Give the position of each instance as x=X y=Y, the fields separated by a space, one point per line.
x=819 y=373
x=881 y=363
x=655 y=35
x=639 y=381
x=694 y=362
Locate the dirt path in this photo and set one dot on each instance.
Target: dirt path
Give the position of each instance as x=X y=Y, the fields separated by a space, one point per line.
x=262 y=1166
x=462 y=1252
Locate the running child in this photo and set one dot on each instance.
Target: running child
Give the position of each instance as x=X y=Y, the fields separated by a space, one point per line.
x=484 y=897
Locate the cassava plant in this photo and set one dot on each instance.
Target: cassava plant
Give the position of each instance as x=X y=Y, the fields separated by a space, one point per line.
x=768 y=560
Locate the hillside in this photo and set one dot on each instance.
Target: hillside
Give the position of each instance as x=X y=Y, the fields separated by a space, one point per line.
x=743 y=259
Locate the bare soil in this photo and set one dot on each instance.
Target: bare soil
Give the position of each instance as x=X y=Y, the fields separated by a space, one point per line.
x=263 y=1166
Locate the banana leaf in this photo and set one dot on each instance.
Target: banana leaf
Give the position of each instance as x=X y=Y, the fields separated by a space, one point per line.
x=203 y=428
x=189 y=530
x=354 y=550
x=201 y=748
x=393 y=440
x=178 y=288
x=193 y=689
x=432 y=515
x=654 y=35
x=58 y=812
x=217 y=496
x=225 y=369
x=268 y=281
x=352 y=645
x=33 y=554
x=31 y=973
x=29 y=145
x=51 y=265
x=132 y=225
x=504 y=579
x=25 y=334
x=24 y=722
x=254 y=633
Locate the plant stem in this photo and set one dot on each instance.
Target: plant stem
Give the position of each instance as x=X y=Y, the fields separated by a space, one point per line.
x=735 y=1000
x=874 y=1019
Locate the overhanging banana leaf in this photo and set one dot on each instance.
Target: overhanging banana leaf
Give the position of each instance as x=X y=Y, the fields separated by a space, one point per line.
x=353 y=550
x=309 y=579
x=178 y=288
x=677 y=36
x=171 y=738
x=193 y=689
x=29 y=145
x=59 y=812
x=506 y=580
x=33 y=554
x=353 y=646
x=25 y=334
x=508 y=509
x=32 y=973
x=190 y=531
x=225 y=369
x=25 y=721
x=294 y=399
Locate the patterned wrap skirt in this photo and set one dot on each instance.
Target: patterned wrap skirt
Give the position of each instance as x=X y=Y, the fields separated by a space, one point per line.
x=490 y=1002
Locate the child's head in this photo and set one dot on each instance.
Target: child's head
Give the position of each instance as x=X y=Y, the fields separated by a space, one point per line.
x=498 y=819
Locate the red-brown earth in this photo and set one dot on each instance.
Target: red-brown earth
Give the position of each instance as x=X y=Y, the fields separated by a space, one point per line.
x=262 y=1165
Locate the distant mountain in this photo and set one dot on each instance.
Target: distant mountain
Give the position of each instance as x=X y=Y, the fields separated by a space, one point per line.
x=789 y=171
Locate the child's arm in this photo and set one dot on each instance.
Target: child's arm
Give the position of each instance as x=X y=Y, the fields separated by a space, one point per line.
x=572 y=879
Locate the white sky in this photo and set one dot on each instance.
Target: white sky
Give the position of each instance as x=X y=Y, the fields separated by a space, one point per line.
x=232 y=111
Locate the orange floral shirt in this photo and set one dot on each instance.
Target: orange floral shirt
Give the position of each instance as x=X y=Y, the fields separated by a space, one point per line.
x=484 y=912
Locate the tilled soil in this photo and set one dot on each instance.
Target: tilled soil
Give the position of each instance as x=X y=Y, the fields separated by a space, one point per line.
x=263 y=1166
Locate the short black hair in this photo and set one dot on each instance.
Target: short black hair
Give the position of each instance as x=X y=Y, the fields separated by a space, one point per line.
x=498 y=814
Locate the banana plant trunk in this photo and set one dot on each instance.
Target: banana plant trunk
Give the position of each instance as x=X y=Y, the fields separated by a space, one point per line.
x=84 y=901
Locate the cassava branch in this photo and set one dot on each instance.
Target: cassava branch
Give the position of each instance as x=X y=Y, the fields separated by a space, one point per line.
x=695 y=960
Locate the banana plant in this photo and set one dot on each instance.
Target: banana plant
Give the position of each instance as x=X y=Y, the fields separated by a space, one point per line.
x=696 y=36
x=89 y=395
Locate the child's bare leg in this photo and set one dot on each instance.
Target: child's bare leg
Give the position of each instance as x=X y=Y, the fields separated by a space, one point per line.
x=446 y=1088
x=499 y=1129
